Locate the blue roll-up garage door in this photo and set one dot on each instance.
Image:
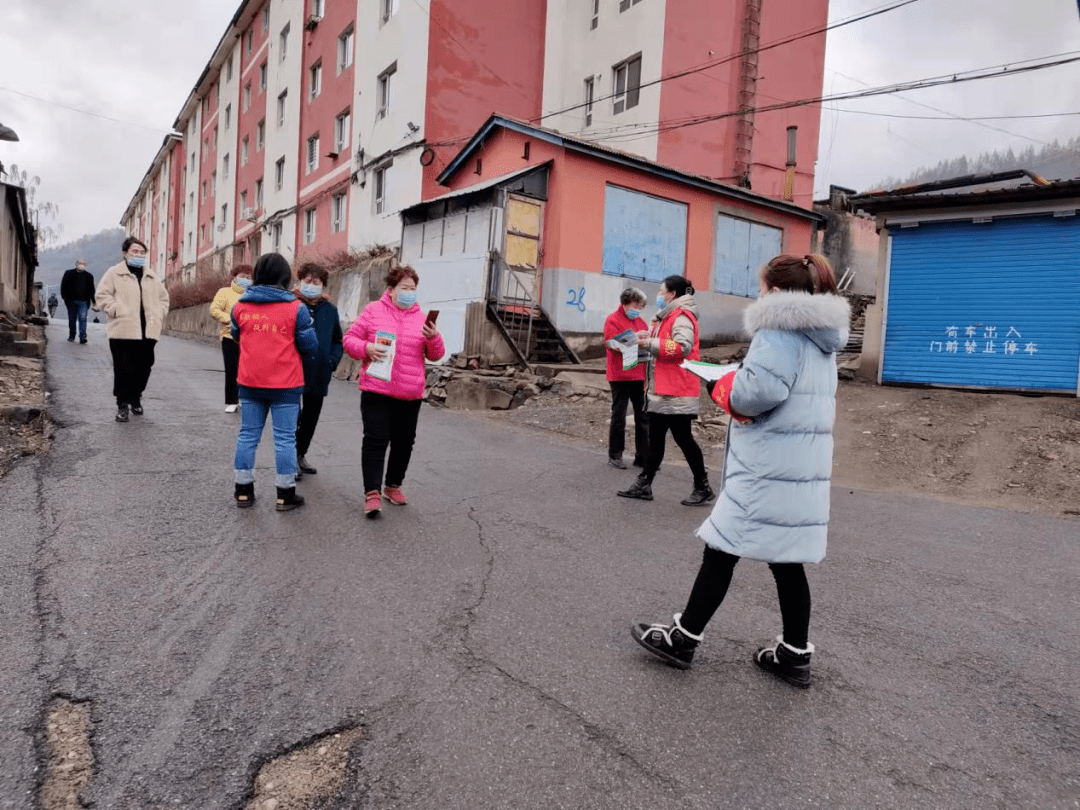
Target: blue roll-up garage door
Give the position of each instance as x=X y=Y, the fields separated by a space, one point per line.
x=985 y=305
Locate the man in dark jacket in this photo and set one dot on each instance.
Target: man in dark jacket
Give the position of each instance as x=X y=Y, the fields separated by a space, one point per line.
x=77 y=290
x=319 y=368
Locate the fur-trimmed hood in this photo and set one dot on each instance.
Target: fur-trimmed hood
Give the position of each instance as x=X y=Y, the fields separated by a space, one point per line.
x=824 y=319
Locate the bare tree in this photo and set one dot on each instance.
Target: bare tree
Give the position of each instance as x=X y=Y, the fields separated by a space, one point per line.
x=45 y=214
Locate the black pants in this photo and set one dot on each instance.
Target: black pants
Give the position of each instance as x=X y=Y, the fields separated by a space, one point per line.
x=310 y=408
x=388 y=422
x=633 y=392
x=679 y=425
x=230 y=351
x=132 y=361
x=712 y=583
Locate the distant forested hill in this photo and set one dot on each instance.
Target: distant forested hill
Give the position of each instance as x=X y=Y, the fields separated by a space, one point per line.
x=1054 y=161
x=101 y=251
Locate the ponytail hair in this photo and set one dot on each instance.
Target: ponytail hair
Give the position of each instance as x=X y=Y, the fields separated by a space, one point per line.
x=811 y=273
x=680 y=285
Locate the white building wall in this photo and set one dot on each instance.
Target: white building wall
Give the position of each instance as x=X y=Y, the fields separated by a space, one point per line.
x=189 y=233
x=573 y=52
x=402 y=39
x=228 y=146
x=283 y=140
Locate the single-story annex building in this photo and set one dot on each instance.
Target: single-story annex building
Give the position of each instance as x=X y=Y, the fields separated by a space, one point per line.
x=978 y=287
x=555 y=226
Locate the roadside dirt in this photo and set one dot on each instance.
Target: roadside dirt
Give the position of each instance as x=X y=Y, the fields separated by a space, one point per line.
x=305 y=778
x=21 y=384
x=1003 y=450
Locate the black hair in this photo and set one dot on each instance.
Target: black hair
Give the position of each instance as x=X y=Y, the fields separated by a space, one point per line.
x=272 y=270
x=680 y=285
x=131 y=240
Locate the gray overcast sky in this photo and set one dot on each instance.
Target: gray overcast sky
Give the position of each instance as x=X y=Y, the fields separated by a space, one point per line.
x=136 y=61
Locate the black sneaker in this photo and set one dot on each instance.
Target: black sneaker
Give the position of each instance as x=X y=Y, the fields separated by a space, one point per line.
x=671 y=643
x=71 y=339
x=786 y=662
x=304 y=467
x=122 y=413
x=136 y=408
x=82 y=340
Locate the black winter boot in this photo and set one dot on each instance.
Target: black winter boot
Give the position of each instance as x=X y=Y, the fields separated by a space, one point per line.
x=245 y=495
x=640 y=489
x=787 y=662
x=287 y=499
x=671 y=642
x=701 y=495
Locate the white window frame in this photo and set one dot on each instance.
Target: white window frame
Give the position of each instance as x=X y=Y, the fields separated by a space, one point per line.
x=314 y=81
x=621 y=98
x=590 y=94
x=276 y=236
x=387 y=9
x=346 y=46
x=311 y=221
x=224 y=213
x=380 y=188
x=245 y=149
x=213 y=183
x=228 y=116
x=312 y=154
x=342 y=131
x=263 y=70
x=595 y=22
x=318 y=8
x=243 y=202
x=338 y=212
x=225 y=167
x=249 y=41
x=266 y=18
x=384 y=91
x=282 y=107
x=283 y=42
x=247 y=96
x=228 y=70
x=279 y=173
x=260 y=135
x=259 y=193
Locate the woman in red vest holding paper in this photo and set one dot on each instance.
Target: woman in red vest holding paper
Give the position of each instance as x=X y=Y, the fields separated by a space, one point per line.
x=673 y=392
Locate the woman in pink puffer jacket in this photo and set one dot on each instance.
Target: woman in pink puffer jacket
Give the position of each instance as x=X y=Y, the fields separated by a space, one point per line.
x=393 y=339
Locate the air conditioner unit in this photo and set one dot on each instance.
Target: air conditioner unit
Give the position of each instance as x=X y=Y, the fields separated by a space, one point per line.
x=311 y=22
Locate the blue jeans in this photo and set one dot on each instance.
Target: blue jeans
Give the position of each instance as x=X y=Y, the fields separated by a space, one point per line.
x=252 y=420
x=77 y=311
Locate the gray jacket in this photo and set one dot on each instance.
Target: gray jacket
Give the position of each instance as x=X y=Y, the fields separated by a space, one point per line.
x=775 y=500
x=682 y=332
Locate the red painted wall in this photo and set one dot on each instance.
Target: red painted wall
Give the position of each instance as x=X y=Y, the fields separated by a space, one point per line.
x=693 y=28
x=484 y=56
x=318 y=116
x=247 y=123
x=574 y=212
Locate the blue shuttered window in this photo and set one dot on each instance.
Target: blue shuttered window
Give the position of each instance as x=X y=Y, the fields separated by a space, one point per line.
x=644 y=236
x=742 y=247
x=985 y=305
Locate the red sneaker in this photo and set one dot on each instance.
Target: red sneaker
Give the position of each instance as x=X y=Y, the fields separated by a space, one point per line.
x=395 y=496
x=372 y=503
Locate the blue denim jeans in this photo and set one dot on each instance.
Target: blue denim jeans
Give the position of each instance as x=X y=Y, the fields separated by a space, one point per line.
x=77 y=312
x=283 y=415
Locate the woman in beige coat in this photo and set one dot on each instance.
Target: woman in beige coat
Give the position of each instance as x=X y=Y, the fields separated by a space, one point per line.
x=136 y=301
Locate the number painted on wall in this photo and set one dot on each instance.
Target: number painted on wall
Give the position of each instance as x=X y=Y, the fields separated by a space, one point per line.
x=576 y=299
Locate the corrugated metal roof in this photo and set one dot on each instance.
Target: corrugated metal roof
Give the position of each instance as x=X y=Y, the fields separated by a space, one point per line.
x=486 y=184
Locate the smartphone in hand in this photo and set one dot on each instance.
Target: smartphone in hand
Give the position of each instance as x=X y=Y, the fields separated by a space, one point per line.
x=432 y=316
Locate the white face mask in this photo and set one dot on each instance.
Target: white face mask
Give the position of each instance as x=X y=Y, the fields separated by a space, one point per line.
x=311 y=290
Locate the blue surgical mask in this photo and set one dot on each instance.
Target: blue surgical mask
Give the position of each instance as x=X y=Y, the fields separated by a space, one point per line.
x=633 y=314
x=137 y=262
x=661 y=301
x=406 y=298
x=311 y=290
x=243 y=281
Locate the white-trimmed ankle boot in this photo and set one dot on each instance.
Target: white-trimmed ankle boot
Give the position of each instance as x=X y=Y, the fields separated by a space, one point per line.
x=787 y=662
x=672 y=643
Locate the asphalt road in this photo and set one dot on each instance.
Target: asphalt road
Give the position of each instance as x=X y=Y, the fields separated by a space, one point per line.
x=480 y=634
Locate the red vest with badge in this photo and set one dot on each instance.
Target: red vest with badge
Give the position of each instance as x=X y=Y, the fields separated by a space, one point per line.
x=668 y=379
x=268 y=354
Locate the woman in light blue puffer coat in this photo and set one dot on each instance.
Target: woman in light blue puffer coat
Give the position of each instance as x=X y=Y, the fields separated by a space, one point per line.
x=774 y=505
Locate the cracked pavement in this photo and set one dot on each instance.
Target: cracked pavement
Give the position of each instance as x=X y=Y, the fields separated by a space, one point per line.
x=479 y=636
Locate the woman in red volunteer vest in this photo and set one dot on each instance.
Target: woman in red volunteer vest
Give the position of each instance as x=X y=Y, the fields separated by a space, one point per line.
x=673 y=392
x=273 y=329
x=627 y=384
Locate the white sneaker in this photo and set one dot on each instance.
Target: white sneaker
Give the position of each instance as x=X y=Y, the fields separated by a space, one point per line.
x=230 y=408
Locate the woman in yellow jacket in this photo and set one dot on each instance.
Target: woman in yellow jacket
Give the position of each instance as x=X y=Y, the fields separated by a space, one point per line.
x=221 y=309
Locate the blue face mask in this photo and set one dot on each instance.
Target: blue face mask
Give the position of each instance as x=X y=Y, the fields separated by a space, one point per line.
x=138 y=262
x=406 y=298
x=311 y=290
x=661 y=301
x=633 y=314
x=243 y=281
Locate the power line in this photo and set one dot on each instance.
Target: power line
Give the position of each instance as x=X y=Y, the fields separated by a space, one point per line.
x=968 y=119
x=87 y=112
x=977 y=74
x=741 y=54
